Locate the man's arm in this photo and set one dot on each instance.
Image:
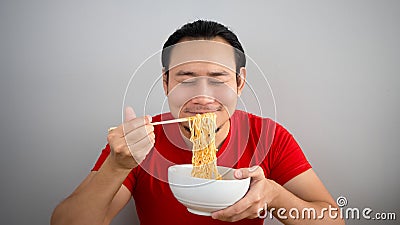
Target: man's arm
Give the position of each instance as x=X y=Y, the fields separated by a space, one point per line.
x=304 y=191
x=101 y=195
x=97 y=200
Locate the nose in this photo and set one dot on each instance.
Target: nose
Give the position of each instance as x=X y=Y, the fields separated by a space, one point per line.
x=202 y=87
x=202 y=100
x=202 y=92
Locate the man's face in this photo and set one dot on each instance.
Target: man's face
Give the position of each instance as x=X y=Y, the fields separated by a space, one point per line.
x=208 y=84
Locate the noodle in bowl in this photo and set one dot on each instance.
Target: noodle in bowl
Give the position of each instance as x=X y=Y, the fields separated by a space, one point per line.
x=204 y=196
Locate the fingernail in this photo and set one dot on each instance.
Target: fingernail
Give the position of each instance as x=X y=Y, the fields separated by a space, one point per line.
x=149 y=119
x=252 y=169
x=239 y=174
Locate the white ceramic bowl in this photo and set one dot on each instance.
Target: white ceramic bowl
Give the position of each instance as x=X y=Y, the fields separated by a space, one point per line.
x=203 y=196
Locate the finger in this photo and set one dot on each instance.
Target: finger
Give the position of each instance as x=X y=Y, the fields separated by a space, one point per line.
x=111 y=129
x=152 y=137
x=233 y=213
x=114 y=133
x=255 y=172
x=249 y=213
x=138 y=134
x=141 y=149
x=129 y=113
x=136 y=123
x=143 y=145
x=246 y=207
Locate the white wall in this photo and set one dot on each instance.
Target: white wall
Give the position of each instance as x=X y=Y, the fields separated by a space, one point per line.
x=64 y=66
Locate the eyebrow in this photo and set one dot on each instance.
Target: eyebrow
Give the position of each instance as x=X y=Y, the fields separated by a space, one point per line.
x=191 y=73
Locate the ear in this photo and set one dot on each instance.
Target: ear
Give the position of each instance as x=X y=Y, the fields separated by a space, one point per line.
x=165 y=81
x=242 y=80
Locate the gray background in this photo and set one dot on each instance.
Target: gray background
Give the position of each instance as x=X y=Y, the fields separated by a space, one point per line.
x=64 y=66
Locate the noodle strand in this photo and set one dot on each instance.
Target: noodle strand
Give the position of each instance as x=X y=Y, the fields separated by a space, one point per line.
x=202 y=128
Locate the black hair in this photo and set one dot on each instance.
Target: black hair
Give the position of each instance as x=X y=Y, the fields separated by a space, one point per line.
x=207 y=30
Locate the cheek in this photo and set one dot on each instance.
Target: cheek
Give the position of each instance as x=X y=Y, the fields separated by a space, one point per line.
x=227 y=95
x=228 y=98
x=178 y=96
x=176 y=100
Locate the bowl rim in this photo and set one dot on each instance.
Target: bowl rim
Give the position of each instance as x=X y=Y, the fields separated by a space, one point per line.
x=206 y=181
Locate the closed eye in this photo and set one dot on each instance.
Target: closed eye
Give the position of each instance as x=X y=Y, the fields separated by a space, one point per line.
x=216 y=82
x=188 y=82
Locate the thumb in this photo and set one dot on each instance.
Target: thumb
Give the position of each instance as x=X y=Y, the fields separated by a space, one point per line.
x=255 y=172
x=129 y=114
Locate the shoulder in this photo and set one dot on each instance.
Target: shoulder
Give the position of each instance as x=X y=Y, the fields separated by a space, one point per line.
x=268 y=133
x=241 y=115
x=256 y=123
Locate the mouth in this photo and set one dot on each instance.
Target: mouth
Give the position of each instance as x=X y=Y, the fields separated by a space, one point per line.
x=200 y=110
x=188 y=129
x=195 y=111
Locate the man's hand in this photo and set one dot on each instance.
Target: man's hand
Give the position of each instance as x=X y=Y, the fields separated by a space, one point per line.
x=131 y=141
x=261 y=191
x=304 y=191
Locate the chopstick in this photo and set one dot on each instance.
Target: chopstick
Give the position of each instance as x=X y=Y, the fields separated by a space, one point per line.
x=170 y=121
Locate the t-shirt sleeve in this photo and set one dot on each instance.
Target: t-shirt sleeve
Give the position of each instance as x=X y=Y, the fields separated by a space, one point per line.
x=286 y=160
x=129 y=181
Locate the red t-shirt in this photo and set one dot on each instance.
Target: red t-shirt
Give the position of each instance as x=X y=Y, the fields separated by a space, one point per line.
x=252 y=140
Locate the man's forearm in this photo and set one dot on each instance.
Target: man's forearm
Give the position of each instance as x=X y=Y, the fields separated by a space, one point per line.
x=89 y=204
x=290 y=209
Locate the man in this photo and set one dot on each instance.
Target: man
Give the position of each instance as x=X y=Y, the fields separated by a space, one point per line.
x=204 y=71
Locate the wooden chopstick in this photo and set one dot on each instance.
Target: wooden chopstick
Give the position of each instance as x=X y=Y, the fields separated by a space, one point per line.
x=170 y=121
